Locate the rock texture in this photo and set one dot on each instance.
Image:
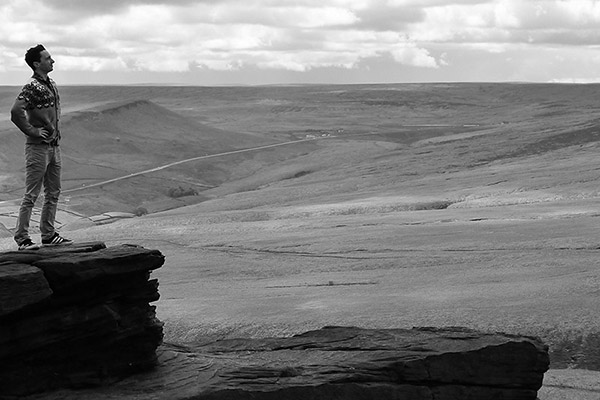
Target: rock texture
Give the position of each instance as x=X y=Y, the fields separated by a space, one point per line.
x=76 y=315
x=354 y=363
x=79 y=316
x=340 y=363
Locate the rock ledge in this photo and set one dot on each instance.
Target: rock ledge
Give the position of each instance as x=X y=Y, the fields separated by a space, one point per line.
x=78 y=315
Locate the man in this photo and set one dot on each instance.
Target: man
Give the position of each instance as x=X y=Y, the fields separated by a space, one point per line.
x=36 y=112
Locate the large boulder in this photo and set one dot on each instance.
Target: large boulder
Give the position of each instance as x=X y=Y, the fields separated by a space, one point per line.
x=76 y=315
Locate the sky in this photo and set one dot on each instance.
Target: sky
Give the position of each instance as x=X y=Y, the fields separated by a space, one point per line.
x=254 y=42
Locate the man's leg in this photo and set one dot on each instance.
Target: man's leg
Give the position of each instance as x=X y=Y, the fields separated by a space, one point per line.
x=51 y=193
x=35 y=168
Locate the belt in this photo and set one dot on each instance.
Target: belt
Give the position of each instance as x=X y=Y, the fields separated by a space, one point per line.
x=53 y=143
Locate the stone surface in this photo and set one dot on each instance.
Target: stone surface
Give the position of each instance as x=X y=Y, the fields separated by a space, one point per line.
x=30 y=256
x=89 y=321
x=355 y=363
x=69 y=270
x=20 y=286
x=570 y=384
x=341 y=363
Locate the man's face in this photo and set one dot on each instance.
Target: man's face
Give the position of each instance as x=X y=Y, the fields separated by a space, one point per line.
x=45 y=63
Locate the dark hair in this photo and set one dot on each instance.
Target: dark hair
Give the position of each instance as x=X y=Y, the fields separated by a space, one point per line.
x=34 y=55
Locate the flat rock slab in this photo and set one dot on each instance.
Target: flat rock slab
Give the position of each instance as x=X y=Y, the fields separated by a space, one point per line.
x=69 y=270
x=342 y=363
x=46 y=252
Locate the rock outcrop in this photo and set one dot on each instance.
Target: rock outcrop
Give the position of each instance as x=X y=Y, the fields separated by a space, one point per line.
x=77 y=315
x=352 y=363
x=80 y=316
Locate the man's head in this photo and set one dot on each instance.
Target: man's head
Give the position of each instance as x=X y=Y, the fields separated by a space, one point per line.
x=38 y=59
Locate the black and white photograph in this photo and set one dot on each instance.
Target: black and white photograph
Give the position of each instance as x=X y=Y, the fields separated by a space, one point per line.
x=300 y=199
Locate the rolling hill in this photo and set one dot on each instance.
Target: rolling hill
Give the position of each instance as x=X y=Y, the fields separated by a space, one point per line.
x=111 y=140
x=458 y=144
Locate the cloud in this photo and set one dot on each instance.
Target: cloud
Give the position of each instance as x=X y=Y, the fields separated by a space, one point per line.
x=410 y=54
x=298 y=36
x=512 y=21
x=393 y=18
x=84 y=8
x=304 y=16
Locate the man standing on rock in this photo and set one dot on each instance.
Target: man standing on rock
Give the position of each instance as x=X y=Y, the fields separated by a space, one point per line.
x=36 y=113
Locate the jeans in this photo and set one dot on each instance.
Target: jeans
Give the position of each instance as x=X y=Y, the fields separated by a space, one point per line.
x=42 y=167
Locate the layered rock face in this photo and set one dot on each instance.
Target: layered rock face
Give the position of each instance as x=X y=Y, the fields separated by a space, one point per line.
x=78 y=315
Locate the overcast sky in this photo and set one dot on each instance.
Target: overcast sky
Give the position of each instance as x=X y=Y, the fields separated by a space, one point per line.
x=214 y=42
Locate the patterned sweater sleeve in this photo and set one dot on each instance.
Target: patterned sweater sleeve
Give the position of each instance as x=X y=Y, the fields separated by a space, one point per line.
x=18 y=113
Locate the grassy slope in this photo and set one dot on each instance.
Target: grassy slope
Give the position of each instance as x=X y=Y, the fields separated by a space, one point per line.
x=114 y=131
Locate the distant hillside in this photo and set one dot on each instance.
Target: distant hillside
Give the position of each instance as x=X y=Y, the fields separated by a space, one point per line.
x=372 y=138
x=123 y=138
x=453 y=145
x=116 y=139
x=129 y=137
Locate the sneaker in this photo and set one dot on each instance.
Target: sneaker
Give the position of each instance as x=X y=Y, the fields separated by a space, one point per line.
x=27 y=244
x=56 y=240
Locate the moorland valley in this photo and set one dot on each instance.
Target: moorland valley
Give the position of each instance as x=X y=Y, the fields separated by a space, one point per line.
x=287 y=208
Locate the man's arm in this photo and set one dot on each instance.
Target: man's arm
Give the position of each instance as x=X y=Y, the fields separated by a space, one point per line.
x=18 y=115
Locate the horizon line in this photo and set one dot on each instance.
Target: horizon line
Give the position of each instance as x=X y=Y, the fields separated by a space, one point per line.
x=174 y=84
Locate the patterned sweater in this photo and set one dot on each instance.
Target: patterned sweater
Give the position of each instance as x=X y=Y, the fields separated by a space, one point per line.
x=38 y=106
